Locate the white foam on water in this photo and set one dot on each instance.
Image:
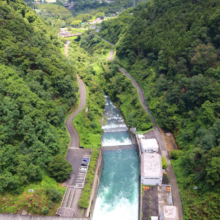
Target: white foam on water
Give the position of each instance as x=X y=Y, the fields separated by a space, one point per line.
x=116 y=142
x=122 y=209
x=114 y=126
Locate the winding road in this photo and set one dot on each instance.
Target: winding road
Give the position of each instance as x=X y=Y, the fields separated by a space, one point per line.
x=174 y=186
x=74 y=153
x=75 y=141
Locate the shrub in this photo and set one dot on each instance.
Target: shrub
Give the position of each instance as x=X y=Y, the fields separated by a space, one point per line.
x=50 y=204
x=59 y=168
x=45 y=210
x=164 y=163
x=175 y=154
x=54 y=195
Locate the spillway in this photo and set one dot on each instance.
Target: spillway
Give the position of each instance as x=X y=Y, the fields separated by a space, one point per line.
x=118 y=189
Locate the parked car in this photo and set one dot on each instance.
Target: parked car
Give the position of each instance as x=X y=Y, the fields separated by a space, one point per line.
x=84 y=164
x=83 y=169
x=81 y=147
x=86 y=160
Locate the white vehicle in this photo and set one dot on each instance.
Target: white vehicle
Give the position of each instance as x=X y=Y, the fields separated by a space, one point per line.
x=83 y=169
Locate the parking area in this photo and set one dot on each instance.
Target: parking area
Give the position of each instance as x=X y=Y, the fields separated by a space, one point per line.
x=80 y=180
x=75 y=157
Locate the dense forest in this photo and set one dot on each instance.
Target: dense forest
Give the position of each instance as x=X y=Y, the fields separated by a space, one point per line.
x=55 y=15
x=172 y=49
x=37 y=87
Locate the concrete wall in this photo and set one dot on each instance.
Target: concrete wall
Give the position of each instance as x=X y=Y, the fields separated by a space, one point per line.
x=28 y=217
x=95 y=186
x=135 y=142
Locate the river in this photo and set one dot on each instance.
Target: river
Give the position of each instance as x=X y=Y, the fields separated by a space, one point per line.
x=118 y=190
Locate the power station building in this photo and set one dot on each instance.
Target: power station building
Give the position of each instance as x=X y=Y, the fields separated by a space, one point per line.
x=151 y=169
x=149 y=145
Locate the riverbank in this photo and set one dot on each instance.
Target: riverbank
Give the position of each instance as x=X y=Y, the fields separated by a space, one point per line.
x=176 y=195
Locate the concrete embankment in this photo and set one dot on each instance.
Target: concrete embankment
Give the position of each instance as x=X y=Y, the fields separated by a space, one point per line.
x=95 y=186
x=22 y=217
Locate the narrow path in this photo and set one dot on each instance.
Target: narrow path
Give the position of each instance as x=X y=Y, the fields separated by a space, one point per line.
x=175 y=190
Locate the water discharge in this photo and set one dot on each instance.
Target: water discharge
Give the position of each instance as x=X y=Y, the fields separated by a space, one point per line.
x=118 y=190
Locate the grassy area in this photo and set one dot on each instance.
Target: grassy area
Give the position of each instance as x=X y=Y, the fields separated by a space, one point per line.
x=32 y=202
x=77 y=30
x=90 y=134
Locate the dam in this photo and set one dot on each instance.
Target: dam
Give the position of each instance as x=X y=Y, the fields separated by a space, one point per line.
x=118 y=193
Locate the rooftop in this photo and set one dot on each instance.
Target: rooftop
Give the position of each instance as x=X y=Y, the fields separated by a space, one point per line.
x=170 y=213
x=151 y=165
x=149 y=144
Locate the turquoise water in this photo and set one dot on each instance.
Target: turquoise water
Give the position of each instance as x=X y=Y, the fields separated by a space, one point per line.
x=118 y=190
x=119 y=185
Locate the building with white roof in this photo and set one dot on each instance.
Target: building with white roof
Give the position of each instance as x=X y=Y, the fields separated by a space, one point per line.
x=154 y=218
x=149 y=145
x=169 y=213
x=151 y=169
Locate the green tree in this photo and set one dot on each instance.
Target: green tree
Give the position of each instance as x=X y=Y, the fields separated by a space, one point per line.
x=45 y=210
x=213 y=171
x=55 y=195
x=59 y=168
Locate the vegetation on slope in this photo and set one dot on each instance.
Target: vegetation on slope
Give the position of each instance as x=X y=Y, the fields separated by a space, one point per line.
x=118 y=87
x=37 y=87
x=88 y=122
x=55 y=15
x=172 y=49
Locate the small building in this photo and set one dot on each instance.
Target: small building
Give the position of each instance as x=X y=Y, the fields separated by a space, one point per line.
x=151 y=169
x=154 y=217
x=149 y=145
x=169 y=213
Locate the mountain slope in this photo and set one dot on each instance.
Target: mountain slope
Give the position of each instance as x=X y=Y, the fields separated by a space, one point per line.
x=172 y=49
x=37 y=87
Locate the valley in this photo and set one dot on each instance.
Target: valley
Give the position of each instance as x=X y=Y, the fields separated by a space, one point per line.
x=83 y=89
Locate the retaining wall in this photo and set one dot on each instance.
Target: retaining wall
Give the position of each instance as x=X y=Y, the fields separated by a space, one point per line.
x=95 y=186
x=28 y=217
x=134 y=139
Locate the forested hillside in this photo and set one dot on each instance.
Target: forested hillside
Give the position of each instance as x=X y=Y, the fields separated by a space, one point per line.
x=115 y=84
x=172 y=49
x=37 y=87
x=55 y=15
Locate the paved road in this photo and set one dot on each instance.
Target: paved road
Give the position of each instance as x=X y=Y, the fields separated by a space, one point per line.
x=108 y=42
x=75 y=142
x=73 y=149
x=175 y=190
x=66 y=45
x=110 y=57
